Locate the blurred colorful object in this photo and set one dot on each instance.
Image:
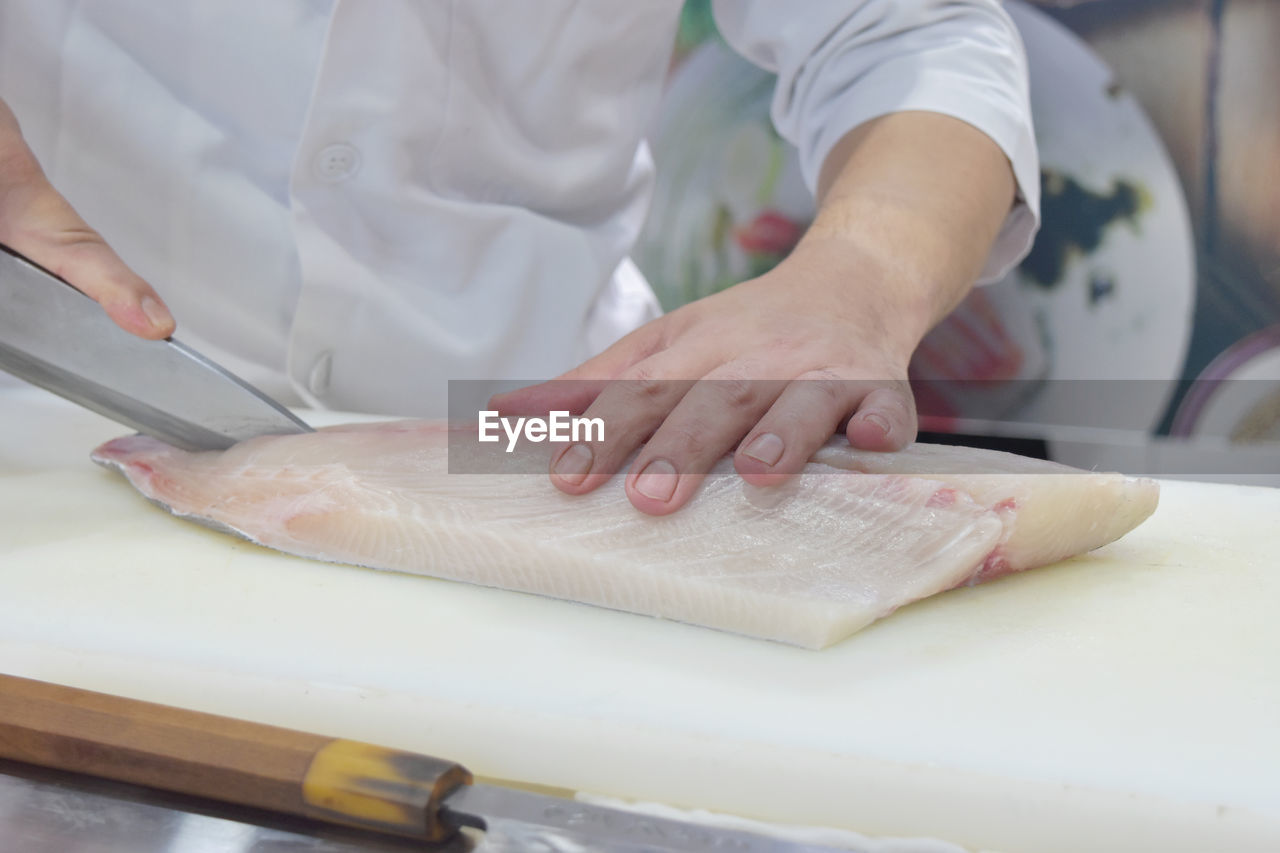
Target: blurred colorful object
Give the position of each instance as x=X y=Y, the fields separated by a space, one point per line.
x=729 y=202
x=1106 y=293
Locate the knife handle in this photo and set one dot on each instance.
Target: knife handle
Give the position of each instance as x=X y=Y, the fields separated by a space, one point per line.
x=220 y=758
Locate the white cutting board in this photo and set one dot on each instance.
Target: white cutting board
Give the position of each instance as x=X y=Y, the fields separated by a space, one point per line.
x=1125 y=700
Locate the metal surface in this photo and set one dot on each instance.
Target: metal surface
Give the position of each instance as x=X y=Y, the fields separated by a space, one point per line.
x=518 y=820
x=46 y=811
x=49 y=811
x=54 y=336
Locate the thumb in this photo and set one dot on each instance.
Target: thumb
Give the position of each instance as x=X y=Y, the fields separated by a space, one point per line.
x=36 y=221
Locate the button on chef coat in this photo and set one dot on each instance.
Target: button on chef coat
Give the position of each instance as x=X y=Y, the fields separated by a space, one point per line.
x=349 y=203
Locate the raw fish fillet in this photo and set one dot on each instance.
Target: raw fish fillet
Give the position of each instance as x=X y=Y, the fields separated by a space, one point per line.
x=807 y=563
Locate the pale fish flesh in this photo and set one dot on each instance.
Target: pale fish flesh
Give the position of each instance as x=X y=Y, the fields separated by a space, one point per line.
x=854 y=537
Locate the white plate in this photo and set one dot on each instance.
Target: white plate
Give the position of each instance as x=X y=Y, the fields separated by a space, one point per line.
x=1097 y=135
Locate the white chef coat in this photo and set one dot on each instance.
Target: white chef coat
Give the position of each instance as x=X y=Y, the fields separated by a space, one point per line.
x=349 y=202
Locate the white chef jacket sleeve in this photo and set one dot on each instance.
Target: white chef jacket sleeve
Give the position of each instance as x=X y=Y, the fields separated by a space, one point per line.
x=843 y=62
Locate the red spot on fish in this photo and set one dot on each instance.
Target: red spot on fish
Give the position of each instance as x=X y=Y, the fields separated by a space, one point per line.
x=942 y=497
x=1006 y=505
x=770 y=233
x=995 y=566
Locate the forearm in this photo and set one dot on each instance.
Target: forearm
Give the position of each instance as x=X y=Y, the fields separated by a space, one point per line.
x=915 y=200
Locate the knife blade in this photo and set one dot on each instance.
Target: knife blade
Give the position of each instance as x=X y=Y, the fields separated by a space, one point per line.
x=518 y=820
x=327 y=779
x=54 y=336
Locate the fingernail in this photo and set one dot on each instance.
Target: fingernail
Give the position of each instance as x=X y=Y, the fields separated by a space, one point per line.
x=156 y=313
x=766 y=448
x=574 y=465
x=657 y=480
x=878 y=420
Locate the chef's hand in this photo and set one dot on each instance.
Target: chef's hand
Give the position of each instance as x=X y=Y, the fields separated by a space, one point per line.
x=37 y=222
x=782 y=363
x=911 y=204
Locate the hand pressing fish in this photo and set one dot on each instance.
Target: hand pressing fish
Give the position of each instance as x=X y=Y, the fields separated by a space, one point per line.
x=854 y=537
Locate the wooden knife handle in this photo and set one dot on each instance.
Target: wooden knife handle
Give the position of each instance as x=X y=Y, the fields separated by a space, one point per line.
x=234 y=761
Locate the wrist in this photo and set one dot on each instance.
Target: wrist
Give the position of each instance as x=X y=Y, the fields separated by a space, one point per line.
x=880 y=292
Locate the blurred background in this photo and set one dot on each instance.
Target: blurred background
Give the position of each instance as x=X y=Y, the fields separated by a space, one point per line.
x=1143 y=331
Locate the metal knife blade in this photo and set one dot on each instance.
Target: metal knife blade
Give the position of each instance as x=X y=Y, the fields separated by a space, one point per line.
x=54 y=336
x=519 y=820
x=57 y=811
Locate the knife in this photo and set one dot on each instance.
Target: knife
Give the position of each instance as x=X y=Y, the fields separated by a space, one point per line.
x=54 y=336
x=319 y=778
